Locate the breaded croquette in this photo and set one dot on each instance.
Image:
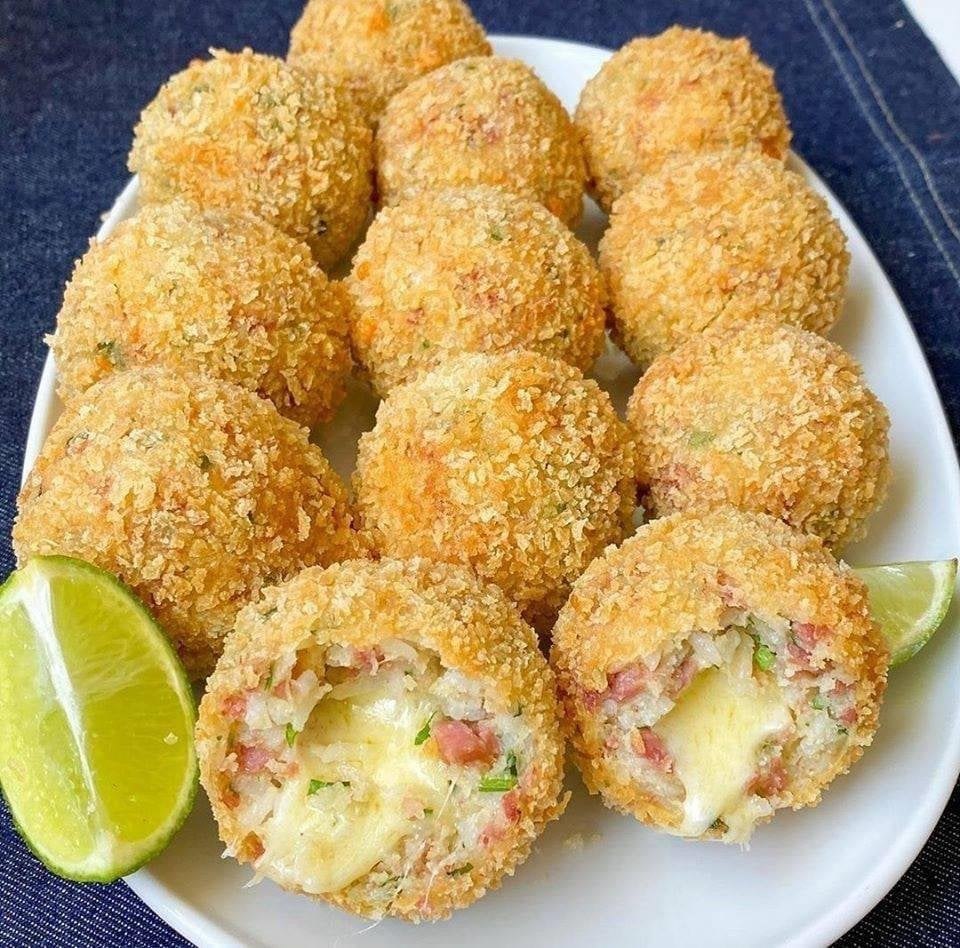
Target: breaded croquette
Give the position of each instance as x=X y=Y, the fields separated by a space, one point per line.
x=471 y=270
x=212 y=292
x=765 y=417
x=482 y=120
x=249 y=132
x=513 y=464
x=715 y=669
x=193 y=491
x=715 y=240
x=376 y=47
x=682 y=92
x=384 y=736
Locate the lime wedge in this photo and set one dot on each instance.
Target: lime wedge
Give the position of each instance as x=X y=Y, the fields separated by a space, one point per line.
x=96 y=721
x=909 y=601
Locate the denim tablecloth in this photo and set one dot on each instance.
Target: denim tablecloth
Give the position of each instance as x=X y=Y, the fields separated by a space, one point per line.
x=873 y=110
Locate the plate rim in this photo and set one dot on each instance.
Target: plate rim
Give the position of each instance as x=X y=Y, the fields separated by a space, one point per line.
x=852 y=906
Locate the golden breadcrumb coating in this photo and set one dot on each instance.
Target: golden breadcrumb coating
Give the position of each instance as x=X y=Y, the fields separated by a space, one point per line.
x=212 y=292
x=193 y=491
x=716 y=240
x=444 y=608
x=681 y=92
x=471 y=270
x=248 y=132
x=768 y=418
x=376 y=47
x=481 y=120
x=673 y=576
x=513 y=464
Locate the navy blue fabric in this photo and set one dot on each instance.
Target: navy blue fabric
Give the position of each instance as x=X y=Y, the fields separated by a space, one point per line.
x=873 y=109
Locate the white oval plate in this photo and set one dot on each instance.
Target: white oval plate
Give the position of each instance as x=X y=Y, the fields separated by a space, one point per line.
x=809 y=876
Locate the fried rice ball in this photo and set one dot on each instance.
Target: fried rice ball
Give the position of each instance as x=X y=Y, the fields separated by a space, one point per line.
x=471 y=270
x=212 y=292
x=481 y=120
x=194 y=491
x=384 y=736
x=376 y=47
x=768 y=418
x=513 y=464
x=715 y=669
x=684 y=91
x=248 y=132
x=715 y=240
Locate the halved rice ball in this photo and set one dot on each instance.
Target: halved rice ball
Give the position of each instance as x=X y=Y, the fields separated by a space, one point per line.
x=384 y=736
x=714 y=669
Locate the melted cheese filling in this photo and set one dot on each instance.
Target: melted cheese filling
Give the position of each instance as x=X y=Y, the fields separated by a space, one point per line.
x=714 y=734
x=324 y=840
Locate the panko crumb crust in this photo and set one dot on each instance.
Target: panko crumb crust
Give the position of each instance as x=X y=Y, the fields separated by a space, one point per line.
x=471 y=270
x=670 y=578
x=481 y=120
x=195 y=492
x=248 y=131
x=212 y=292
x=766 y=417
x=469 y=624
x=376 y=47
x=713 y=240
x=684 y=91
x=513 y=464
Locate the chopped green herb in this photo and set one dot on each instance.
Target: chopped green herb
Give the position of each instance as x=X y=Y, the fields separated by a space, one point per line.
x=561 y=507
x=270 y=612
x=316 y=785
x=424 y=732
x=505 y=781
x=425 y=344
x=698 y=439
x=496 y=233
x=111 y=352
x=764 y=656
x=428 y=812
x=818 y=702
x=268 y=684
x=460 y=870
x=519 y=711
x=498 y=784
x=205 y=463
x=290 y=734
x=842 y=730
x=718 y=824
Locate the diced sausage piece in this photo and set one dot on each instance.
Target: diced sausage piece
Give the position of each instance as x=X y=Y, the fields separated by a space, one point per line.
x=462 y=743
x=626 y=683
x=252 y=759
x=647 y=744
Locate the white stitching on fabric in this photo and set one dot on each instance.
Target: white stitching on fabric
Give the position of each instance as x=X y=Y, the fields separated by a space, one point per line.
x=891 y=121
x=878 y=132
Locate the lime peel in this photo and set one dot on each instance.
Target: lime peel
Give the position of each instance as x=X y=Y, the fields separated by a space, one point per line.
x=91 y=694
x=909 y=601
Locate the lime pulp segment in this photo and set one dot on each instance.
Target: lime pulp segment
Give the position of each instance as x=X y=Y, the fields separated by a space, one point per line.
x=909 y=601
x=96 y=721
